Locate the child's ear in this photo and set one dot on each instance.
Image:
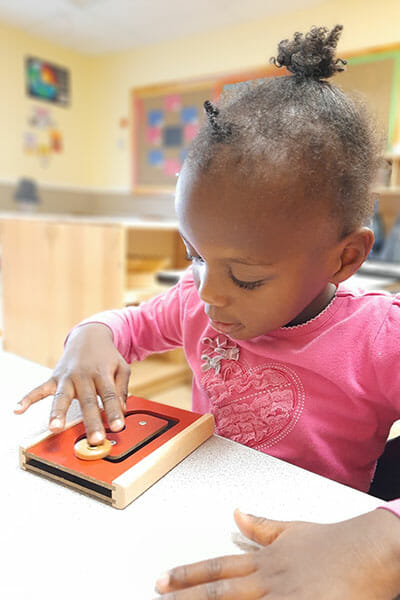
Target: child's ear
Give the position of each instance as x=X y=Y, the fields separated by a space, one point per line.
x=351 y=253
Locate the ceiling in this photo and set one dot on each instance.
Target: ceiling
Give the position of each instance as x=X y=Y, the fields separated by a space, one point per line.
x=99 y=26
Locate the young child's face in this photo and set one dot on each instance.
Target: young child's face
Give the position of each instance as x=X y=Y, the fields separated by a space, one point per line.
x=258 y=262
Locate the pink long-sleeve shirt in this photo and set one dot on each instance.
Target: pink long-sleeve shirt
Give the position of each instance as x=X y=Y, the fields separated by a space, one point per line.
x=321 y=395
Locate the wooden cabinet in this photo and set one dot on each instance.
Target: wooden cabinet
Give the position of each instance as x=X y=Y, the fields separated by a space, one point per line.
x=57 y=271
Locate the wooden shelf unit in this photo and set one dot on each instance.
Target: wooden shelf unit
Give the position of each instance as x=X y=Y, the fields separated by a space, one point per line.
x=57 y=271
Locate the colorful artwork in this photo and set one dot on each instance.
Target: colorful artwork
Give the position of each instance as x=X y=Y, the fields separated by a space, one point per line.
x=189 y=114
x=166 y=121
x=46 y=81
x=155 y=118
x=55 y=141
x=172 y=167
x=153 y=136
x=156 y=158
x=43 y=139
x=172 y=136
x=189 y=131
x=168 y=132
x=172 y=102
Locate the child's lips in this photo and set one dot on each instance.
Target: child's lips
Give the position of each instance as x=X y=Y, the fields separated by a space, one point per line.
x=224 y=327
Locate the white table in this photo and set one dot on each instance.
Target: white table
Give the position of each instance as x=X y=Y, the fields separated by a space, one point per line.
x=61 y=544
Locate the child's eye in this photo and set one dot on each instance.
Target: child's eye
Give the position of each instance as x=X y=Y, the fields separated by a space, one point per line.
x=248 y=285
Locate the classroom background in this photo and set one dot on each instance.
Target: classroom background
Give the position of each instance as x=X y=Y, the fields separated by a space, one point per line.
x=99 y=101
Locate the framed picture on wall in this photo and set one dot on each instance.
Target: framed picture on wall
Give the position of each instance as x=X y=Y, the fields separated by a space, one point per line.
x=46 y=81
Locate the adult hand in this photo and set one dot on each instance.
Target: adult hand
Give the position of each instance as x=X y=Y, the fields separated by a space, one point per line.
x=90 y=366
x=358 y=559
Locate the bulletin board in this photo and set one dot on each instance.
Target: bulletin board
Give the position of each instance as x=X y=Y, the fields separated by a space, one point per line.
x=376 y=75
x=166 y=118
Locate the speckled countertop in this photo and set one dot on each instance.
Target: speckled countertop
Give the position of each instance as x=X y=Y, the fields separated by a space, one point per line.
x=60 y=544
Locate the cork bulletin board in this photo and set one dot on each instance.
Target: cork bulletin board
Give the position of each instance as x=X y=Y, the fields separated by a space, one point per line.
x=166 y=118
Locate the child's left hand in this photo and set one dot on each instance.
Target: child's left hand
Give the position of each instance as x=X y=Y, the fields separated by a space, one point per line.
x=354 y=559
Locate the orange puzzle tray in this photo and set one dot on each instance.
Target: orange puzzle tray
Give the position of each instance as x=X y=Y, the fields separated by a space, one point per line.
x=155 y=438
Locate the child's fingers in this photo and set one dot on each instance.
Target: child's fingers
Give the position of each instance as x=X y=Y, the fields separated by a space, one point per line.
x=206 y=571
x=263 y=531
x=47 y=388
x=63 y=397
x=121 y=382
x=239 y=588
x=111 y=401
x=87 y=396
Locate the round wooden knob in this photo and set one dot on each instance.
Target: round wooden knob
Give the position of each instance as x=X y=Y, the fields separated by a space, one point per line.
x=85 y=451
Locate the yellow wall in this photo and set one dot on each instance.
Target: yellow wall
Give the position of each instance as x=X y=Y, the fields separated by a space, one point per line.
x=367 y=23
x=72 y=165
x=102 y=84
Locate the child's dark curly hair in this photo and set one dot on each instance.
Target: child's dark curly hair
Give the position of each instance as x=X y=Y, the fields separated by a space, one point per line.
x=299 y=125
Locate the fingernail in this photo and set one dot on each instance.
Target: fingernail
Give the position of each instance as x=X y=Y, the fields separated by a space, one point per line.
x=18 y=406
x=117 y=424
x=56 y=423
x=244 y=514
x=96 y=437
x=162 y=582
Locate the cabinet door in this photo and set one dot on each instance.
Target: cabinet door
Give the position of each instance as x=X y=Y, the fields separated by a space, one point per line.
x=54 y=275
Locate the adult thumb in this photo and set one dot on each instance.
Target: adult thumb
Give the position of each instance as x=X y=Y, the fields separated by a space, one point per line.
x=260 y=530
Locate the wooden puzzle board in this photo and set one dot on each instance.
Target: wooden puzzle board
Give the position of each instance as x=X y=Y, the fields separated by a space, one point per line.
x=155 y=438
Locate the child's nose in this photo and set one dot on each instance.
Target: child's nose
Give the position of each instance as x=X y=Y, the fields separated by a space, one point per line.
x=210 y=290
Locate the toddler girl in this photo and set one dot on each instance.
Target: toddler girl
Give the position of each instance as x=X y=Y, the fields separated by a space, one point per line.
x=272 y=203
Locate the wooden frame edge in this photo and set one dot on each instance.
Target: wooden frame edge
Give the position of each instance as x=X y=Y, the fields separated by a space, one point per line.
x=131 y=484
